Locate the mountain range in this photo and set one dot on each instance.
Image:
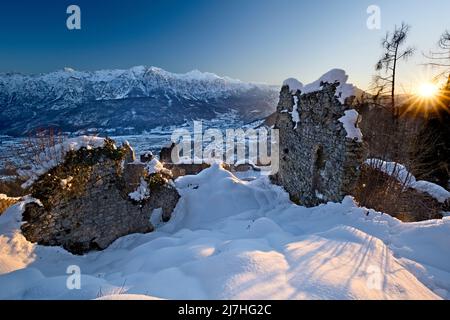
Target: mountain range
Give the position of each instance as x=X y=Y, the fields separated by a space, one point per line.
x=128 y=101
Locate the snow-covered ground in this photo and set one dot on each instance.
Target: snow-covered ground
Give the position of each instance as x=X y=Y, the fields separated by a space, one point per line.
x=235 y=239
x=401 y=173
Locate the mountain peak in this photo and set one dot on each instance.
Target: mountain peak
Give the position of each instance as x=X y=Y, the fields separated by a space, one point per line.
x=69 y=69
x=139 y=98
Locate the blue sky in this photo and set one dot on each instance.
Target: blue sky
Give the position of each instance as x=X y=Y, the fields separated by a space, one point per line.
x=252 y=40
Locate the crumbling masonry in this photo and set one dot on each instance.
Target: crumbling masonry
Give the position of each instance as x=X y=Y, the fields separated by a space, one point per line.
x=318 y=162
x=84 y=203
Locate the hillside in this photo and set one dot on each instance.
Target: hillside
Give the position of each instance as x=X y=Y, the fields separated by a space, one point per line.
x=232 y=239
x=125 y=101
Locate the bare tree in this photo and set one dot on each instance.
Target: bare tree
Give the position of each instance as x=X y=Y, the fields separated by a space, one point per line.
x=393 y=53
x=441 y=57
x=433 y=150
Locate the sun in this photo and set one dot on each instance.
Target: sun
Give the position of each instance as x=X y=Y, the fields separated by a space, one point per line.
x=427 y=90
x=428 y=99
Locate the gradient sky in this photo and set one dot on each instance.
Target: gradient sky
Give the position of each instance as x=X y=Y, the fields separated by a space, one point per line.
x=252 y=40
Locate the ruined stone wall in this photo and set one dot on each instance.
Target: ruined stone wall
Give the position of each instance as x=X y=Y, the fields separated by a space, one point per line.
x=318 y=162
x=86 y=206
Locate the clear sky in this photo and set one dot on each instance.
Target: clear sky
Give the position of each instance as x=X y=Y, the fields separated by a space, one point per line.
x=252 y=40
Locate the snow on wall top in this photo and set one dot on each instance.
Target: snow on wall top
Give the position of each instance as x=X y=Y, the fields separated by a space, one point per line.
x=293 y=84
x=54 y=156
x=399 y=172
x=343 y=91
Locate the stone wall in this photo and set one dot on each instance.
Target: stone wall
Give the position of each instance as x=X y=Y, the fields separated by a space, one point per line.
x=86 y=203
x=186 y=169
x=318 y=162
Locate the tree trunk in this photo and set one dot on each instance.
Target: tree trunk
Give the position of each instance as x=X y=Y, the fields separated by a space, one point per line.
x=393 y=106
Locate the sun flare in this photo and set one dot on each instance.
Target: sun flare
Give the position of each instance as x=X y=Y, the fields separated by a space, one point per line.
x=427 y=90
x=428 y=98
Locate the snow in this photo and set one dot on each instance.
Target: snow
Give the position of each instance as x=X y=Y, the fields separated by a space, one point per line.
x=293 y=84
x=343 y=91
x=141 y=193
x=54 y=155
x=119 y=83
x=394 y=169
x=154 y=166
x=65 y=183
x=436 y=191
x=231 y=239
x=350 y=121
x=401 y=173
x=243 y=162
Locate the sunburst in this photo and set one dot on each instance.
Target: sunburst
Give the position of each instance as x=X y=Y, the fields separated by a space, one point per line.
x=427 y=90
x=427 y=99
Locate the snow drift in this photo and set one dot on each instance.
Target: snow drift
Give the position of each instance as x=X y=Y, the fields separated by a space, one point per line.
x=230 y=239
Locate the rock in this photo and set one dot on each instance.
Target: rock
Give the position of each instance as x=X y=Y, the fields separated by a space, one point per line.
x=132 y=174
x=129 y=152
x=165 y=155
x=146 y=157
x=91 y=215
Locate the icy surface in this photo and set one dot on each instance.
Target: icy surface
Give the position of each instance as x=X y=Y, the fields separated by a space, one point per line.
x=402 y=174
x=230 y=239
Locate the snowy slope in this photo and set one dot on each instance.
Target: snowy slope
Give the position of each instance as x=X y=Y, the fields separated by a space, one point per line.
x=140 y=81
x=230 y=239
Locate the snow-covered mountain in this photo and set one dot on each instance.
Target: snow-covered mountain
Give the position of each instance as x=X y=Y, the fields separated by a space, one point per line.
x=127 y=101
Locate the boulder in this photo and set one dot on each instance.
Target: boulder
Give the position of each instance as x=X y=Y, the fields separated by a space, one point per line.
x=85 y=203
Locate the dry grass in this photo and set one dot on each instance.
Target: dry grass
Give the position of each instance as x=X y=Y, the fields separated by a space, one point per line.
x=12 y=188
x=6 y=203
x=379 y=191
x=392 y=141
